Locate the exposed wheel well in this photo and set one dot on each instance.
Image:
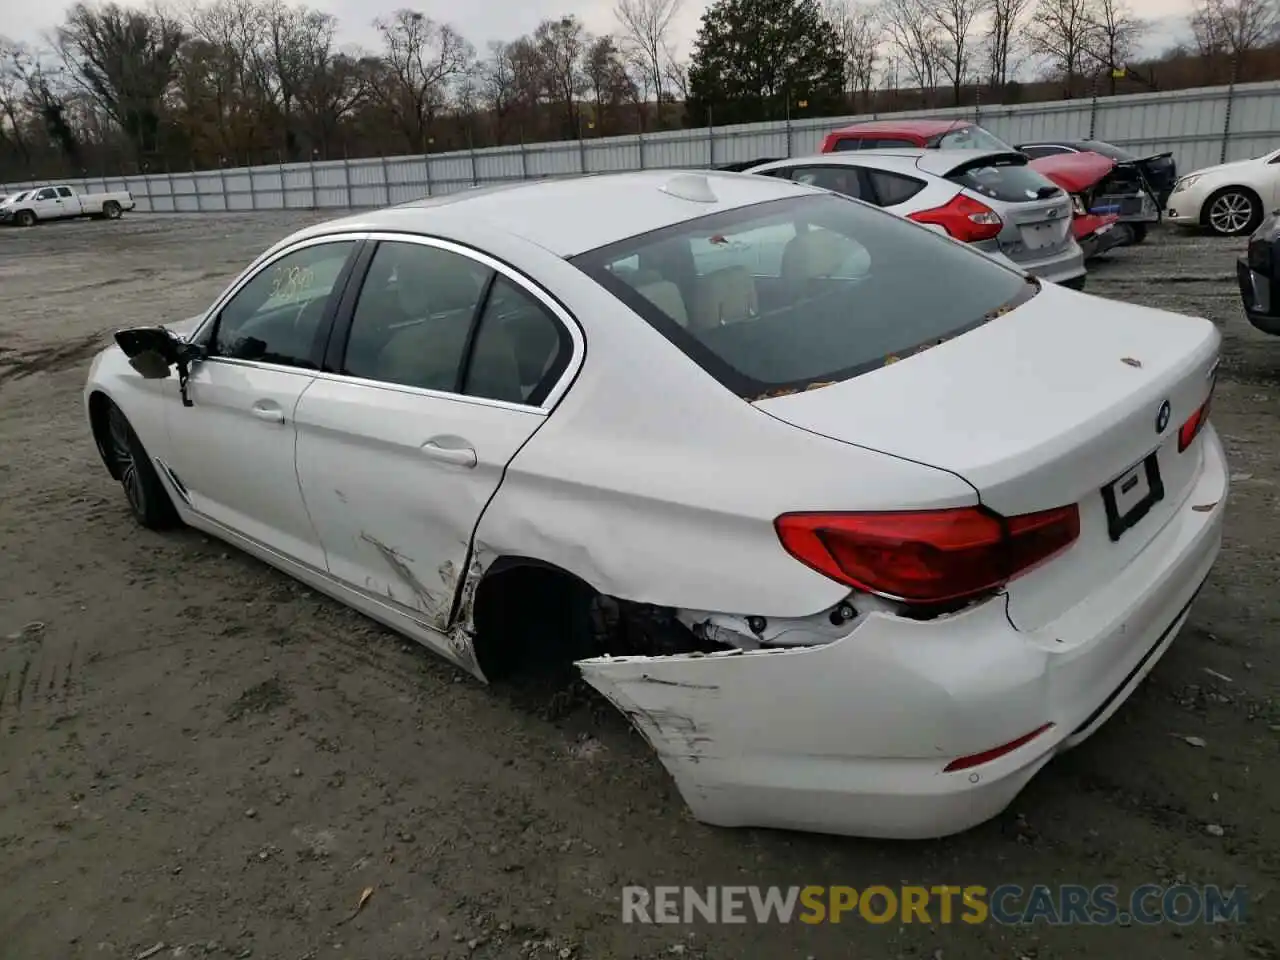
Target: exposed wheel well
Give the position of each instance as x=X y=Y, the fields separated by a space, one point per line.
x=532 y=617
x=1249 y=191
x=99 y=406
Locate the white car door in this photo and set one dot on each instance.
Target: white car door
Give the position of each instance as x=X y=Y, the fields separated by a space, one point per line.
x=231 y=453
x=450 y=365
x=46 y=205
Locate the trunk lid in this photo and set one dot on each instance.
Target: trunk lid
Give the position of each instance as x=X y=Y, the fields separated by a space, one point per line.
x=1037 y=409
x=1074 y=172
x=1036 y=212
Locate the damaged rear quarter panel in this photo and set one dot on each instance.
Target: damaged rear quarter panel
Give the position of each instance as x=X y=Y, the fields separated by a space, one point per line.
x=654 y=483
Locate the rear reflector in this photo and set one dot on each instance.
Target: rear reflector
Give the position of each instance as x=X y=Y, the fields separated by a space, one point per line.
x=927 y=557
x=963 y=218
x=995 y=753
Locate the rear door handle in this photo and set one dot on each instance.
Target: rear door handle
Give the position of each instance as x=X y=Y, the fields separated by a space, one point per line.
x=462 y=456
x=266 y=410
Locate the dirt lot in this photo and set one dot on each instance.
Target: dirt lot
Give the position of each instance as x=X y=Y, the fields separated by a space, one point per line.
x=197 y=752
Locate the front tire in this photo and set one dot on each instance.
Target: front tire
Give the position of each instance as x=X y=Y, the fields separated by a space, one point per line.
x=111 y=210
x=25 y=218
x=1138 y=233
x=147 y=497
x=1233 y=212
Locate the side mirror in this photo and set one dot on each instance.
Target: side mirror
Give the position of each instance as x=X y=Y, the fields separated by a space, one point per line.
x=153 y=350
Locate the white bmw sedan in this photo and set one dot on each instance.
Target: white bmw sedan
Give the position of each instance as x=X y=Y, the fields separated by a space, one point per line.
x=858 y=527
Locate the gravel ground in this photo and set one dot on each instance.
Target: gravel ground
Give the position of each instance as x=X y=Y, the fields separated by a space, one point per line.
x=197 y=752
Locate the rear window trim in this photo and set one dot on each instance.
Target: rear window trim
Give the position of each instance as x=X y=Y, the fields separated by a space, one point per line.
x=592 y=264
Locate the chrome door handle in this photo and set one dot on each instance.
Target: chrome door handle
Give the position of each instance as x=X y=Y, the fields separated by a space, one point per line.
x=462 y=456
x=272 y=414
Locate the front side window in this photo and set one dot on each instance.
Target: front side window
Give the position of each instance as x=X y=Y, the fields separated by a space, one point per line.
x=779 y=296
x=415 y=312
x=277 y=316
x=46 y=194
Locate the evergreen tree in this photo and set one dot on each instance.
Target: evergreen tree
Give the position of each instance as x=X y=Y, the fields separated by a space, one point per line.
x=753 y=56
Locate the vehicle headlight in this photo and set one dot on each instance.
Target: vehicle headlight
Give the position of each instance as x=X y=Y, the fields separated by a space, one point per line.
x=1186 y=183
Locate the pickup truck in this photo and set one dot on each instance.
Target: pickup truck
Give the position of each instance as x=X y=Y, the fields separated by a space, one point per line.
x=58 y=201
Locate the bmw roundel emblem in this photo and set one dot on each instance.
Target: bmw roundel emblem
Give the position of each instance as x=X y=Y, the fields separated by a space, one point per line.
x=1162 y=418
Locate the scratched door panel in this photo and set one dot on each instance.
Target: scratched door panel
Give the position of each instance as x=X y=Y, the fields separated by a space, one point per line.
x=395 y=517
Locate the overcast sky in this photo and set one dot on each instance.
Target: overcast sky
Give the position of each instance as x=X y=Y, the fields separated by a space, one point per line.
x=484 y=20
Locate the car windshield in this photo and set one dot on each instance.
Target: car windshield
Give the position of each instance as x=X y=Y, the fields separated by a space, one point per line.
x=13 y=197
x=780 y=296
x=968 y=137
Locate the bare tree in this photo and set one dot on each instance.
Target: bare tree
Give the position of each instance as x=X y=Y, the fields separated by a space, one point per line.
x=12 y=92
x=1233 y=27
x=331 y=86
x=227 y=67
x=1004 y=44
x=1064 y=31
x=423 y=58
x=861 y=34
x=561 y=46
x=1118 y=33
x=645 y=30
x=498 y=85
x=955 y=20
x=125 y=61
x=914 y=35
x=606 y=73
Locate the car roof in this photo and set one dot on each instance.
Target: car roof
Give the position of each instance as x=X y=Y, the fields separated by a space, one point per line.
x=572 y=215
x=921 y=127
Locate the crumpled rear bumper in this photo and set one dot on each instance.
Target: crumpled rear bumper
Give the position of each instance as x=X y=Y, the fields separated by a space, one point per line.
x=853 y=736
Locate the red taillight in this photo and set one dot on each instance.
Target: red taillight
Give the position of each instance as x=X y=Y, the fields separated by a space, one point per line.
x=1195 y=423
x=964 y=218
x=929 y=557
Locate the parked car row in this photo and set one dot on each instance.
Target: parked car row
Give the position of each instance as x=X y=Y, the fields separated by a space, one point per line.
x=810 y=492
x=59 y=201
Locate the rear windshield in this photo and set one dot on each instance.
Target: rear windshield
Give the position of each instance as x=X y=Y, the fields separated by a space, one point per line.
x=1107 y=150
x=1009 y=182
x=783 y=295
x=968 y=137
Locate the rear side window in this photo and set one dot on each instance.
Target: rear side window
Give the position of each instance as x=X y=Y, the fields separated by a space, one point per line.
x=1009 y=182
x=844 y=179
x=893 y=188
x=779 y=296
x=64 y=191
x=847 y=144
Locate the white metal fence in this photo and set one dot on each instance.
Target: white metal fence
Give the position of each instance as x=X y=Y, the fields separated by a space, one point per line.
x=1201 y=127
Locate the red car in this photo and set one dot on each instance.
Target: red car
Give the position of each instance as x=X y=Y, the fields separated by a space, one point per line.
x=1074 y=173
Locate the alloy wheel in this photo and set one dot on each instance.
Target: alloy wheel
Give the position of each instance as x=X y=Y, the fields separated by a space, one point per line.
x=122 y=453
x=1231 y=213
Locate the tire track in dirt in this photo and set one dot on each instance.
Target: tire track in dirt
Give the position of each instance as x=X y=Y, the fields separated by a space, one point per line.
x=40 y=678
